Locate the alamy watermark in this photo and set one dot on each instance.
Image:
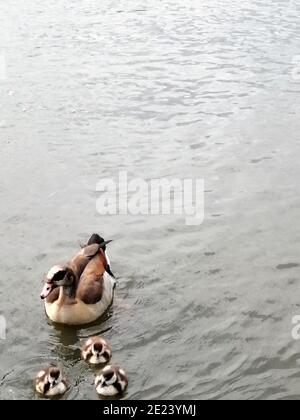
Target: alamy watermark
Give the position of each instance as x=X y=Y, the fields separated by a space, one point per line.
x=163 y=196
x=2 y=327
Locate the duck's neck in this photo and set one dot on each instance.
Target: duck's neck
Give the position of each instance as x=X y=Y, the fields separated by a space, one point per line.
x=67 y=293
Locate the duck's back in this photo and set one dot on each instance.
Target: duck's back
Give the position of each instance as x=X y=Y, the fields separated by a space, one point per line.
x=91 y=283
x=96 y=284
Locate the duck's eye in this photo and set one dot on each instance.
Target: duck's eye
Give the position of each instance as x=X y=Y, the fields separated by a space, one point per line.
x=59 y=276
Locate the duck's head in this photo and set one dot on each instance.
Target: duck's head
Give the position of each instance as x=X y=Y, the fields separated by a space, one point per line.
x=96 y=350
x=58 y=276
x=50 y=382
x=112 y=381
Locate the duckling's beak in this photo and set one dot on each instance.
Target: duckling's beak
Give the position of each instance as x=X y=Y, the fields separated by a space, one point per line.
x=47 y=289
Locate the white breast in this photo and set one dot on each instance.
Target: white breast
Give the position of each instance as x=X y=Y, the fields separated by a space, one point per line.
x=106 y=391
x=59 y=389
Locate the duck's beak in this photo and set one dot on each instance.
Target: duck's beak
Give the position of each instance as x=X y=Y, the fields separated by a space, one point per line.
x=47 y=289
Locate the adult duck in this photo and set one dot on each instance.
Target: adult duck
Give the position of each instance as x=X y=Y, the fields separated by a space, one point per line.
x=81 y=290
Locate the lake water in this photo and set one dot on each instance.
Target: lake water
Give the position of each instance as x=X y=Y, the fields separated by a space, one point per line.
x=178 y=89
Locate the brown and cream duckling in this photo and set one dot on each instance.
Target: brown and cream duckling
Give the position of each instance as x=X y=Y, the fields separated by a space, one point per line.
x=111 y=381
x=96 y=351
x=50 y=381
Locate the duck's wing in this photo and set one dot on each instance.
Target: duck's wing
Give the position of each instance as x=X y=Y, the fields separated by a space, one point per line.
x=90 y=286
x=79 y=262
x=90 y=251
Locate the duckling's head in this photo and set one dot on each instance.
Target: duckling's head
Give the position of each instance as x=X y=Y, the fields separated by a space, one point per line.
x=112 y=381
x=50 y=382
x=96 y=350
x=58 y=276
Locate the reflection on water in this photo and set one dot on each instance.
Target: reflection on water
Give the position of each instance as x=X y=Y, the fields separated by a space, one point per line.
x=160 y=89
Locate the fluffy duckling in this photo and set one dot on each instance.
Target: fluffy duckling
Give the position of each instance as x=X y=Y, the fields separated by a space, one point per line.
x=112 y=381
x=96 y=350
x=50 y=382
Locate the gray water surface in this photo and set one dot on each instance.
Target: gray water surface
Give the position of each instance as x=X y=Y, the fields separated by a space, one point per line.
x=203 y=89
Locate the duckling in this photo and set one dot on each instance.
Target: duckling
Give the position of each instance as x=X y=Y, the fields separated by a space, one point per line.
x=50 y=382
x=96 y=350
x=111 y=381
